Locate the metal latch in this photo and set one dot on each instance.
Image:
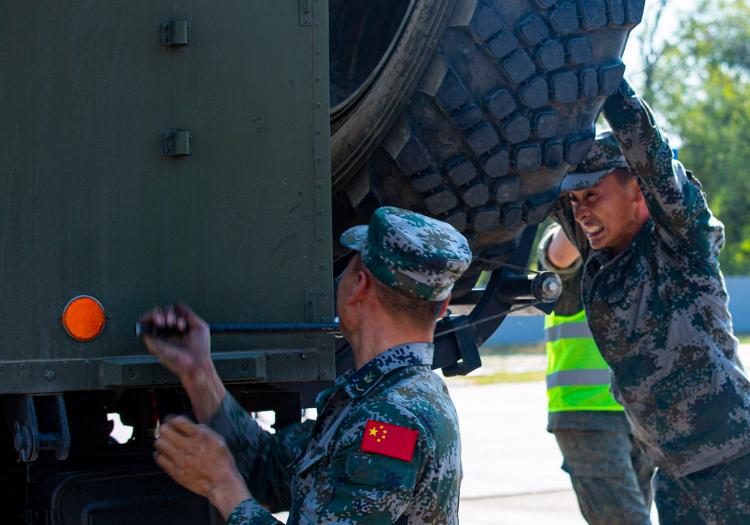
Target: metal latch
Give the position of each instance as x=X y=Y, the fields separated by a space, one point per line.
x=177 y=142
x=175 y=33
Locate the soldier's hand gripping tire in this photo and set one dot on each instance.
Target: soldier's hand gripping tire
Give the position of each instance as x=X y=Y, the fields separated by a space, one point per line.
x=470 y=111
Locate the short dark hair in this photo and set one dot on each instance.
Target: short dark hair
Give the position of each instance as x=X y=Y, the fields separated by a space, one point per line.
x=423 y=313
x=623 y=175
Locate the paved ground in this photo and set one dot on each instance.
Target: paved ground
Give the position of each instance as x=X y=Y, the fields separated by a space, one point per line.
x=505 y=448
x=511 y=463
x=558 y=507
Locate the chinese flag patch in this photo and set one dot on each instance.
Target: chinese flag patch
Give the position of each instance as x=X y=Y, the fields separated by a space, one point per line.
x=389 y=440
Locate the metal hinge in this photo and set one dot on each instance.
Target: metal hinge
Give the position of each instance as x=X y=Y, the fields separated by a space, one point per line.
x=311 y=306
x=175 y=33
x=305 y=12
x=312 y=313
x=177 y=143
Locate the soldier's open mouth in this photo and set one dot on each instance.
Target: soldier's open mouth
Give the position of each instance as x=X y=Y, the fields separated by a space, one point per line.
x=592 y=231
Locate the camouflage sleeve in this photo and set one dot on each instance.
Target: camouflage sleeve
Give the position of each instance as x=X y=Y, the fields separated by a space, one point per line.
x=674 y=197
x=263 y=459
x=250 y=512
x=367 y=488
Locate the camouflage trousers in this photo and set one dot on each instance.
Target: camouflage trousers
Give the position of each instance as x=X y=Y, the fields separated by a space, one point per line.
x=718 y=495
x=610 y=473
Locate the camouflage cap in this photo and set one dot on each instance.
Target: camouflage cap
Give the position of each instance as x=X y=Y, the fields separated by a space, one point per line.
x=604 y=157
x=413 y=254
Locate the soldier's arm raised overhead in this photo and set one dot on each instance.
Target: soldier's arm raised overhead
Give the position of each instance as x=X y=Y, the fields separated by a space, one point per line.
x=674 y=198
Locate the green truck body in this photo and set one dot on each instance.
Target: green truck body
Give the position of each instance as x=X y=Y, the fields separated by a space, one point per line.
x=233 y=220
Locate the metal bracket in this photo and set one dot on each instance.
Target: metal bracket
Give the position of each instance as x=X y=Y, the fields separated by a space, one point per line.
x=457 y=351
x=177 y=143
x=313 y=314
x=306 y=13
x=466 y=342
x=144 y=370
x=175 y=33
x=39 y=423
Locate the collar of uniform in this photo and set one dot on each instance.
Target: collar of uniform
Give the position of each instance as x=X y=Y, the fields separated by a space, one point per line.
x=358 y=383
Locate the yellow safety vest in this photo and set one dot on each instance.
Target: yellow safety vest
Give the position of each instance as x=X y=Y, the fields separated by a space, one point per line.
x=577 y=375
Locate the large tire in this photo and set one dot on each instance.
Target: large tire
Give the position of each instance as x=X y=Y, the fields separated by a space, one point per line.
x=480 y=131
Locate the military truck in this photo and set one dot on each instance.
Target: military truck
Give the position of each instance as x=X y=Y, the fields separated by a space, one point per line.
x=155 y=151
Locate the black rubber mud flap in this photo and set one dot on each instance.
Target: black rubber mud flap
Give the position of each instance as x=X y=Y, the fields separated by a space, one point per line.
x=505 y=103
x=142 y=495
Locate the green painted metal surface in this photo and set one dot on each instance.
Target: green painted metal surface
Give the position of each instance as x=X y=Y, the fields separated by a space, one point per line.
x=92 y=203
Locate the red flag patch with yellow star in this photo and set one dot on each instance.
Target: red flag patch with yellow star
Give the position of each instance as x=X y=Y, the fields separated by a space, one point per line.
x=389 y=440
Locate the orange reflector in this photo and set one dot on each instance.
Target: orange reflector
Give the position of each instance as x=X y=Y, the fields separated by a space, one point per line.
x=83 y=318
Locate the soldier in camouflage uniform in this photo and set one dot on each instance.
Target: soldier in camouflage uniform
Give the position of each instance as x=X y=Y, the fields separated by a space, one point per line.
x=385 y=447
x=610 y=473
x=657 y=307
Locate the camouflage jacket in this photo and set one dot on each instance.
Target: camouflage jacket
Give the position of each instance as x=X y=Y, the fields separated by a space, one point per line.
x=319 y=470
x=658 y=310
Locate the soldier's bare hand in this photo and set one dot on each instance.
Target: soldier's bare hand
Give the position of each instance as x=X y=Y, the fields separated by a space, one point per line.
x=197 y=458
x=187 y=354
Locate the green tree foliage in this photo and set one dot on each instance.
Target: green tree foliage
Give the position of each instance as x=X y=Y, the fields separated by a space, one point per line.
x=701 y=84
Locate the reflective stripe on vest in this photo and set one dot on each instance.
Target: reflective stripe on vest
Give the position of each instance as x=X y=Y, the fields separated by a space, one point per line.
x=577 y=375
x=577 y=378
x=567 y=331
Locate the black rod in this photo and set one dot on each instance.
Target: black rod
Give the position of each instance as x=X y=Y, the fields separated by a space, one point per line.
x=142 y=329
